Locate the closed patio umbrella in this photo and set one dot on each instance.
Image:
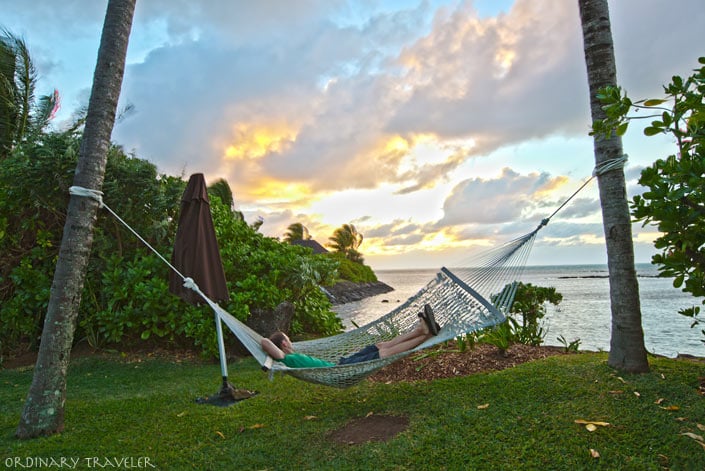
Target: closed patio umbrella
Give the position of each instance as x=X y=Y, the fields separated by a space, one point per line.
x=196 y=256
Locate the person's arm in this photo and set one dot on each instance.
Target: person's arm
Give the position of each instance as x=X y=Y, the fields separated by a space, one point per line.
x=271 y=349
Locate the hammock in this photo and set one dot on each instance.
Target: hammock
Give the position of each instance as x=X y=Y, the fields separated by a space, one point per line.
x=458 y=308
x=464 y=300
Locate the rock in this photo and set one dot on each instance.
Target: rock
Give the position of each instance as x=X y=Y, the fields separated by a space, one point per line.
x=266 y=322
x=347 y=291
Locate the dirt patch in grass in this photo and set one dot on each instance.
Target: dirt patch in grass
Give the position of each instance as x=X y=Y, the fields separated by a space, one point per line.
x=373 y=428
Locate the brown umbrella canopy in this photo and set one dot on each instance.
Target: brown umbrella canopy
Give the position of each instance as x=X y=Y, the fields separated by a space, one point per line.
x=196 y=253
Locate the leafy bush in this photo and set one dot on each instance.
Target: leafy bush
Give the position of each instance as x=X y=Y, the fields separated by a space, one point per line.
x=356 y=272
x=529 y=306
x=501 y=336
x=263 y=272
x=570 y=347
x=126 y=297
x=22 y=314
x=136 y=302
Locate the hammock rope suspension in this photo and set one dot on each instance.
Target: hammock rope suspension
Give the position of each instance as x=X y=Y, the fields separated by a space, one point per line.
x=98 y=196
x=465 y=299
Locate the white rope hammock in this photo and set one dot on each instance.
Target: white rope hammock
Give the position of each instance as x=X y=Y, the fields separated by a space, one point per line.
x=465 y=300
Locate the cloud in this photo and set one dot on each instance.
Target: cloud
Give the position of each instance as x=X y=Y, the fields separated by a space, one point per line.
x=342 y=93
x=654 y=41
x=498 y=80
x=332 y=95
x=492 y=201
x=57 y=19
x=371 y=107
x=579 y=208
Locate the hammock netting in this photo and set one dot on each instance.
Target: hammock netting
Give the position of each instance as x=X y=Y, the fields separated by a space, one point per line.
x=464 y=300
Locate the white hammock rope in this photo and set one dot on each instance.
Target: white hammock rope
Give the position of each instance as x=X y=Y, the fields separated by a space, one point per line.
x=467 y=299
x=98 y=196
x=609 y=165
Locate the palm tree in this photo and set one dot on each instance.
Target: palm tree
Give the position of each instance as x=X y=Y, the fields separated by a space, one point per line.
x=346 y=240
x=20 y=116
x=43 y=413
x=627 y=351
x=296 y=231
x=221 y=189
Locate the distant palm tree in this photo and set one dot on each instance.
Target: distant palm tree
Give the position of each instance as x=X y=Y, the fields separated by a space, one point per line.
x=296 y=231
x=221 y=189
x=20 y=115
x=346 y=240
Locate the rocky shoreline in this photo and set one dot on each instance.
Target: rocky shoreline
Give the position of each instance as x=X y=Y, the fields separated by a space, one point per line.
x=347 y=291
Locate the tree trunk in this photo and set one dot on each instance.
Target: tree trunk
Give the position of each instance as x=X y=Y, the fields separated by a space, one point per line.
x=627 y=351
x=43 y=412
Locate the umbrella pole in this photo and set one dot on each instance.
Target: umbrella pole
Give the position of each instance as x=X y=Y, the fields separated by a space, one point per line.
x=228 y=394
x=221 y=350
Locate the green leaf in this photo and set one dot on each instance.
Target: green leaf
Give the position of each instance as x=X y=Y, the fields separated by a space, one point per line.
x=652 y=131
x=654 y=102
x=622 y=128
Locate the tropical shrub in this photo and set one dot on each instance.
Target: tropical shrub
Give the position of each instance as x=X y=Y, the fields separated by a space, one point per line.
x=528 y=308
x=262 y=272
x=126 y=297
x=350 y=270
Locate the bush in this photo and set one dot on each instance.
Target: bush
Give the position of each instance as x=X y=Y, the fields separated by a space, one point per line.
x=262 y=272
x=529 y=306
x=126 y=297
x=352 y=271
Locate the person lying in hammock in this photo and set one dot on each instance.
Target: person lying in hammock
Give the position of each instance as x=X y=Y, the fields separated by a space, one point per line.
x=279 y=347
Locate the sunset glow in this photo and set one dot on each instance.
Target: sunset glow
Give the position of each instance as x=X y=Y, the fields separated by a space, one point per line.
x=432 y=126
x=253 y=141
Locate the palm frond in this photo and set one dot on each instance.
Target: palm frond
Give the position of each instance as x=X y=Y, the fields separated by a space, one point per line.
x=25 y=81
x=8 y=111
x=17 y=84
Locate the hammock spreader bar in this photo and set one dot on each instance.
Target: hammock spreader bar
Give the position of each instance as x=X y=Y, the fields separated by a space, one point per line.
x=472 y=292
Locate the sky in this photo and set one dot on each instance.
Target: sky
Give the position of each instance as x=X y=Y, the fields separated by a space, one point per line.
x=436 y=127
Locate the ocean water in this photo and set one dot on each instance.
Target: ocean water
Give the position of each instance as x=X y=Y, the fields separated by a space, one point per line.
x=583 y=314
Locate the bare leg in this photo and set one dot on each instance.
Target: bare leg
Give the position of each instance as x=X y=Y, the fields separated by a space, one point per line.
x=420 y=330
x=404 y=342
x=408 y=344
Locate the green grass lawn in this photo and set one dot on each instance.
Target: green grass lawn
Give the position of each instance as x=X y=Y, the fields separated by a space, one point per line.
x=522 y=418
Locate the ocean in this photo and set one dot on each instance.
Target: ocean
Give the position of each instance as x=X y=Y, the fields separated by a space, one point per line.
x=583 y=314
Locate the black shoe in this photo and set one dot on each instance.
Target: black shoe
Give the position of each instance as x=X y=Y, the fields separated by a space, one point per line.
x=430 y=320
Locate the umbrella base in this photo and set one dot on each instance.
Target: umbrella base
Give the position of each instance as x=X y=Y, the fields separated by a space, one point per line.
x=227 y=396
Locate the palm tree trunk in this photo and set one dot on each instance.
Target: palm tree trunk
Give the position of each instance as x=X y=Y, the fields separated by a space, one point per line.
x=627 y=351
x=43 y=413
